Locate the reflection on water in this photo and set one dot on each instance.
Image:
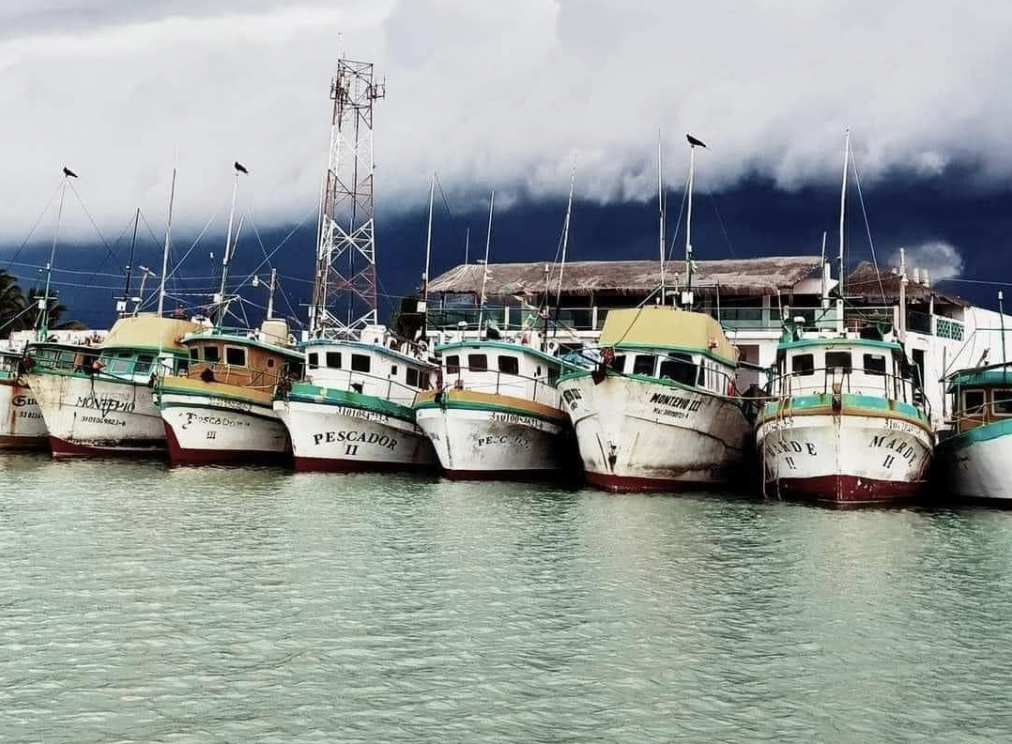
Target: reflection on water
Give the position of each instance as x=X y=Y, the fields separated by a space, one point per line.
x=142 y=603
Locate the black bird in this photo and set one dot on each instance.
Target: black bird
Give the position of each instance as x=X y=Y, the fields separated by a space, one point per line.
x=241 y=168
x=68 y=172
x=693 y=141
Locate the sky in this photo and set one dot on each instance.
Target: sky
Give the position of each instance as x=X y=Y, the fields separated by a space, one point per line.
x=510 y=95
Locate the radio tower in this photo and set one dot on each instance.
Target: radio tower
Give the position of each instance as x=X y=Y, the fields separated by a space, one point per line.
x=344 y=292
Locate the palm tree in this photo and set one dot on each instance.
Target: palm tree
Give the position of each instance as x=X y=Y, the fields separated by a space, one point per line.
x=21 y=313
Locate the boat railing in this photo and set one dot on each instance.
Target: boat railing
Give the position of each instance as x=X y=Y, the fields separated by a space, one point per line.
x=481 y=380
x=837 y=380
x=366 y=383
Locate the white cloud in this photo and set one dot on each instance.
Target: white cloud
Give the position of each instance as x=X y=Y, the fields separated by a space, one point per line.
x=942 y=260
x=490 y=93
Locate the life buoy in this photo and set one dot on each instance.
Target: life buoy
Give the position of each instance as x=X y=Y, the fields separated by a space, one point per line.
x=552 y=347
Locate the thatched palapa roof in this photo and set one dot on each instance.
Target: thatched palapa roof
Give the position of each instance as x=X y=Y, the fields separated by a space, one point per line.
x=863 y=283
x=747 y=276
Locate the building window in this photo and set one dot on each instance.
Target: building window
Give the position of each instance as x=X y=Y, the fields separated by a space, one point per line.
x=411 y=377
x=1003 y=402
x=875 y=364
x=334 y=359
x=235 y=356
x=314 y=360
x=477 y=362
x=838 y=360
x=211 y=354
x=803 y=364
x=452 y=365
x=643 y=364
x=509 y=365
x=360 y=363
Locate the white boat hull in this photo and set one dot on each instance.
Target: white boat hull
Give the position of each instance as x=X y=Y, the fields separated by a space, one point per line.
x=21 y=422
x=207 y=429
x=345 y=438
x=639 y=435
x=490 y=444
x=92 y=416
x=843 y=458
x=979 y=470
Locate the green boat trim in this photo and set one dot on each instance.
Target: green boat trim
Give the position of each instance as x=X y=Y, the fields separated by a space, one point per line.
x=665 y=382
x=470 y=405
x=851 y=405
x=982 y=433
x=40 y=369
x=163 y=405
x=303 y=392
x=813 y=342
x=504 y=346
x=665 y=348
x=190 y=392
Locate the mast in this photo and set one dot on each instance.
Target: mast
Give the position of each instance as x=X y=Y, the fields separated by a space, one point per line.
x=1001 y=316
x=270 y=293
x=467 y=246
x=130 y=265
x=843 y=211
x=660 y=209
x=168 y=243
x=484 y=275
x=44 y=302
x=693 y=142
x=428 y=257
x=565 y=245
x=229 y=246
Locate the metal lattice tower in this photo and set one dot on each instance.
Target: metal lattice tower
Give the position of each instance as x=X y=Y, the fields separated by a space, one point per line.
x=344 y=293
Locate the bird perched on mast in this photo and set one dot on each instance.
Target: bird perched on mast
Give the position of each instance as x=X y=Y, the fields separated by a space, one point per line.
x=694 y=142
x=241 y=168
x=68 y=173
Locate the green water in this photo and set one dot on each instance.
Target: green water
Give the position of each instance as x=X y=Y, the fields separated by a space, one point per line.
x=140 y=603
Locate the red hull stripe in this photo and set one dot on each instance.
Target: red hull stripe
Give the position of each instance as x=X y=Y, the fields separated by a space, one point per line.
x=328 y=465
x=183 y=456
x=136 y=448
x=13 y=442
x=844 y=489
x=618 y=483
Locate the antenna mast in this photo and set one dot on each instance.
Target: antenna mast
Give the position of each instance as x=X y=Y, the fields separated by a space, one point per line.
x=565 y=245
x=484 y=274
x=843 y=211
x=660 y=208
x=346 y=248
x=693 y=142
x=168 y=242
x=428 y=255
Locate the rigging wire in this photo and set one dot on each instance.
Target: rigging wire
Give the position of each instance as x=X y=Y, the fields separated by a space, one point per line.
x=38 y=220
x=867 y=226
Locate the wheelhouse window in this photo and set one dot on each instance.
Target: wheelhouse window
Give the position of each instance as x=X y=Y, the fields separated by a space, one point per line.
x=211 y=354
x=678 y=368
x=477 y=362
x=393 y=370
x=195 y=353
x=425 y=381
x=360 y=363
x=314 y=360
x=803 y=364
x=643 y=364
x=973 y=402
x=1003 y=402
x=452 y=365
x=411 y=377
x=838 y=360
x=553 y=374
x=875 y=364
x=509 y=365
x=334 y=359
x=143 y=365
x=235 y=356
x=618 y=363
x=122 y=363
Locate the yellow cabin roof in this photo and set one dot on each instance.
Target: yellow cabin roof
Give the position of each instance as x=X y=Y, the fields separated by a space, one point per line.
x=149 y=330
x=662 y=326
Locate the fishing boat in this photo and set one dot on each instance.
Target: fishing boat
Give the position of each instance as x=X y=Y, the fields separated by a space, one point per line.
x=97 y=400
x=354 y=409
x=21 y=422
x=660 y=410
x=218 y=407
x=975 y=456
x=498 y=412
x=846 y=422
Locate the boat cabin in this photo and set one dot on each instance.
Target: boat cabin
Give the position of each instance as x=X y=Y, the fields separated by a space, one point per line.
x=981 y=396
x=369 y=367
x=230 y=357
x=853 y=365
x=502 y=368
